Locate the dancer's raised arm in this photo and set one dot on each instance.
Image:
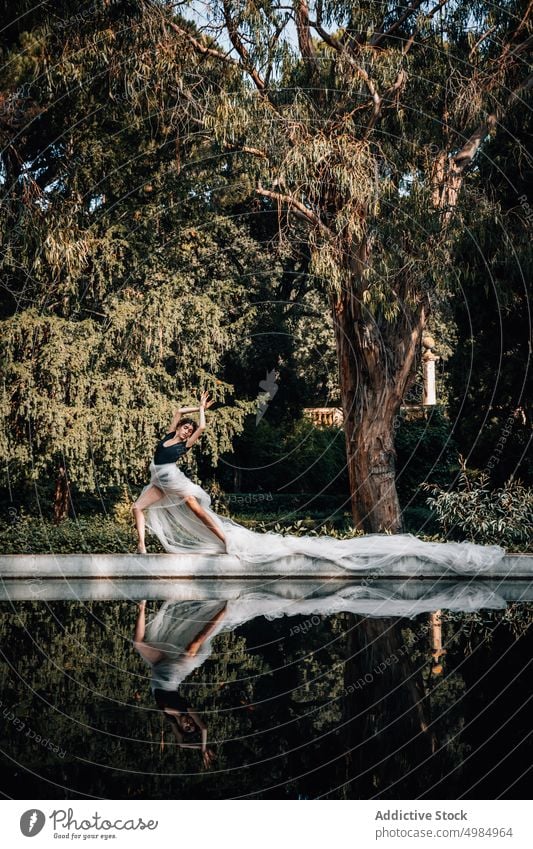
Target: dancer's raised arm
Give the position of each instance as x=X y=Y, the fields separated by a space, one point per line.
x=204 y=404
x=178 y=414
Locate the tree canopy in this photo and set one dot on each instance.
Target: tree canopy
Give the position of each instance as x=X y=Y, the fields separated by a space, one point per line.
x=190 y=203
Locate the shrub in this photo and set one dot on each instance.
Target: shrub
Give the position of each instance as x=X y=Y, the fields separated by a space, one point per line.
x=503 y=516
x=425 y=451
x=308 y=527
x=83 y=536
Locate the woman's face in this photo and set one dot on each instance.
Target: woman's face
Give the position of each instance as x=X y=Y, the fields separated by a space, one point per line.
x=186 y=723
x=185 y=431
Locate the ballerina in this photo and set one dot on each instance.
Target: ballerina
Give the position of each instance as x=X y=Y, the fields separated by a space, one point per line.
x=169 y=485
x=179 y=513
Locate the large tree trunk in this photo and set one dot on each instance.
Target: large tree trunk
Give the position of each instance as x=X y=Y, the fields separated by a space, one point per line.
x=376 y=367
x=61 y=496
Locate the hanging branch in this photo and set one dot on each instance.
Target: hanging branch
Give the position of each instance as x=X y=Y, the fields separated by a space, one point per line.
x=377 y=98
x=252 y=151
x=302 y=211
x=238 y=44
x=202 y=48
x=462 y=160
x=379 y=36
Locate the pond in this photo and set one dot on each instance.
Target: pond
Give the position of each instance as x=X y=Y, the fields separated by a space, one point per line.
x=341 y=690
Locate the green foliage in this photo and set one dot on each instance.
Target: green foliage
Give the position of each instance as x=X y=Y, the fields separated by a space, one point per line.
x=426 y=450
x=303 y=527
x=97 y=534
x=295 y=456
x=115 y=534
x=133 y=276
x=503 y=516
x=124 y=291
x=334 y=120
x=489 y=373
x=490 y=377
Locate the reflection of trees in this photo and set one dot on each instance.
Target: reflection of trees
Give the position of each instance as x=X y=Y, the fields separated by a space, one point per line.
x=396 y=730
x=411 y=733
x=72 y=676
x=75 y=679
x=273 y=700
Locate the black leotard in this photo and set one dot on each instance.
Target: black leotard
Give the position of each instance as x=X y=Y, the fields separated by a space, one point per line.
x=171 y=699
x=171 y=453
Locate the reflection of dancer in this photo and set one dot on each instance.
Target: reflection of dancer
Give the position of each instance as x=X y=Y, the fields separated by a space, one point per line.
x=172 y=659
x=178 y=639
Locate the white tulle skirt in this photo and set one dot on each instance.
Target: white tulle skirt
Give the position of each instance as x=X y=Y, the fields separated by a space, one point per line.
x=180 y=531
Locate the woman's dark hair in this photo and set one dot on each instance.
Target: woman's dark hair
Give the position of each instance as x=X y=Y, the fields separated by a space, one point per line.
x=187 y=421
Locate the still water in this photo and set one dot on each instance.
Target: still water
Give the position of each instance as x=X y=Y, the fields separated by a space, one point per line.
x=327 y=690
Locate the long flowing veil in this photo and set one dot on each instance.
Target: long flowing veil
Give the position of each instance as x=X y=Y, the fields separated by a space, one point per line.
x=180 y=531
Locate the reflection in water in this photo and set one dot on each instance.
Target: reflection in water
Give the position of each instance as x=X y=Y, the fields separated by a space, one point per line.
x=178 y=641
x=437 y=651
x=348 y=691
x=387 y=711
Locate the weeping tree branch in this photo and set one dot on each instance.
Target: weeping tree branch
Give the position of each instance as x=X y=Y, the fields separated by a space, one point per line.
x=302 y=211
x=463 y=159
x=379 y=36
x=525 y=18
x=202 y=48
x=245 y=65
x=410 y=41
x=238 y=44
x=243 y=148
x=377 y=98
x=480 y=41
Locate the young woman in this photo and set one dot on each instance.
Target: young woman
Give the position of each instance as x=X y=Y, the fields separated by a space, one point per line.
x=177 y=495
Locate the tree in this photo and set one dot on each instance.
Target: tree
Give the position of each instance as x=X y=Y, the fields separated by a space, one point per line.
x=122 y=291
x=364 y=128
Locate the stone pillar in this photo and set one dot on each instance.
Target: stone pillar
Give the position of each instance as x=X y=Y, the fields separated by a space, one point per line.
x=429 y=359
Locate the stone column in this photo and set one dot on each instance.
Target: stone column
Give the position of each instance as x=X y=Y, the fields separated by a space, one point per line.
x=429 y=359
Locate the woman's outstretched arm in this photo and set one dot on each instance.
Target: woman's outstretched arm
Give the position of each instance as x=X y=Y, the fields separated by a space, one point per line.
x=181 y=411
x=178 y=414
x=204 y=404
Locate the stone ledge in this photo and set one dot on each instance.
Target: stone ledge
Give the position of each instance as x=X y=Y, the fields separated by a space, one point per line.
x=153 y=566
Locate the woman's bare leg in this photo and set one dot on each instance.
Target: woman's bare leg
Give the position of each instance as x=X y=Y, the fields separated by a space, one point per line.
x=150 y=654
x=151 y=495
x=140 y=625
x=192 y=503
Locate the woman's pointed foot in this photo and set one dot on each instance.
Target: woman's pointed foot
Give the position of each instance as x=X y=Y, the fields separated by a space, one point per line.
x=141 y=549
